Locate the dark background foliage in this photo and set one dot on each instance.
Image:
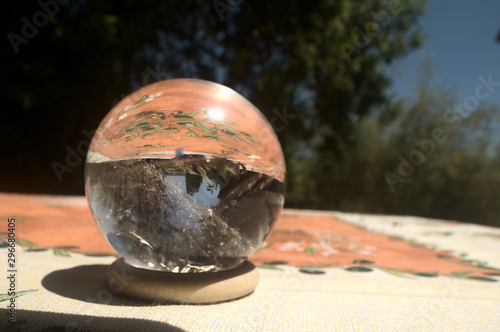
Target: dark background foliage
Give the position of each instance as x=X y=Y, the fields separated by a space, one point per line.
x=320 y=62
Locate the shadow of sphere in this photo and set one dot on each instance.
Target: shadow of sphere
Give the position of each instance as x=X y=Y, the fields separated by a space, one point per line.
x=86 y=283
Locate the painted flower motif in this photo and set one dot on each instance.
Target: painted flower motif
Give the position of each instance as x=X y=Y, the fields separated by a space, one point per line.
x=291 y=246
x=326 y=250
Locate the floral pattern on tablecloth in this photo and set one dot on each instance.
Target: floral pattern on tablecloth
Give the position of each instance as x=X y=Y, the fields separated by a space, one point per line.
x=310 y=241
x=321 y=240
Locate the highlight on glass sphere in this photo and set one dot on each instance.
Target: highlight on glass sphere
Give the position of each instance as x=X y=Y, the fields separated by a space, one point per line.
x=185 y=175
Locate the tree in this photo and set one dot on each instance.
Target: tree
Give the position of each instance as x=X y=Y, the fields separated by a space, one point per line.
x=313 y=67
x=430 y=159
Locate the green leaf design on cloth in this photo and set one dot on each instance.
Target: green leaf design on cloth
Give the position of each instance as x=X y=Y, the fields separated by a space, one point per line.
x=310 y=250
x=426 y=274
x=60 y=252
x=26 y=243
x=402 y=273
x=265 y=248
x=6 y=297
x=460 y=274
x=98 y=254
x=162 y=122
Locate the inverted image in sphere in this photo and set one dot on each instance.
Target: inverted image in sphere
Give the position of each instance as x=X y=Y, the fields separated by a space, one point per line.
x=185 y=175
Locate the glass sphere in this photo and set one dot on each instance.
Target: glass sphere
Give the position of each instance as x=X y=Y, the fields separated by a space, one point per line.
x=185 y=175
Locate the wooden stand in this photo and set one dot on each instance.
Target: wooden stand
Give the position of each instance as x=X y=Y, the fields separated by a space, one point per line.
x=185 y=288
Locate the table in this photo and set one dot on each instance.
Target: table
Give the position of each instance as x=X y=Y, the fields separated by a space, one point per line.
x=319 y=271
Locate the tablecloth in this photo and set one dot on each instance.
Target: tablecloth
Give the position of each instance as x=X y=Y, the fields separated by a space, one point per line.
x=319 y=271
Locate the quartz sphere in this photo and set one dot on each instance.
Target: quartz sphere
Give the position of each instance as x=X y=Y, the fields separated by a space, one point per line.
x=185 y=175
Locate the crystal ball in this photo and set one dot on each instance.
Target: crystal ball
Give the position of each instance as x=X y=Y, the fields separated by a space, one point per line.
x=185 y=175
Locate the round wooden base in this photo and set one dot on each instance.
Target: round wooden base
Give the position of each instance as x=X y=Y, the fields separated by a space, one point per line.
x=185 y=288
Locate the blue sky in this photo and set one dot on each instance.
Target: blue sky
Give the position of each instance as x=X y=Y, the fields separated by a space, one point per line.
x=461 y=38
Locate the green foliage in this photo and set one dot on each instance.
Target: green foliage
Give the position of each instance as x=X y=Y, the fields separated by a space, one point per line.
x=319 y=59
x=457 y=179
x=322 y=61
